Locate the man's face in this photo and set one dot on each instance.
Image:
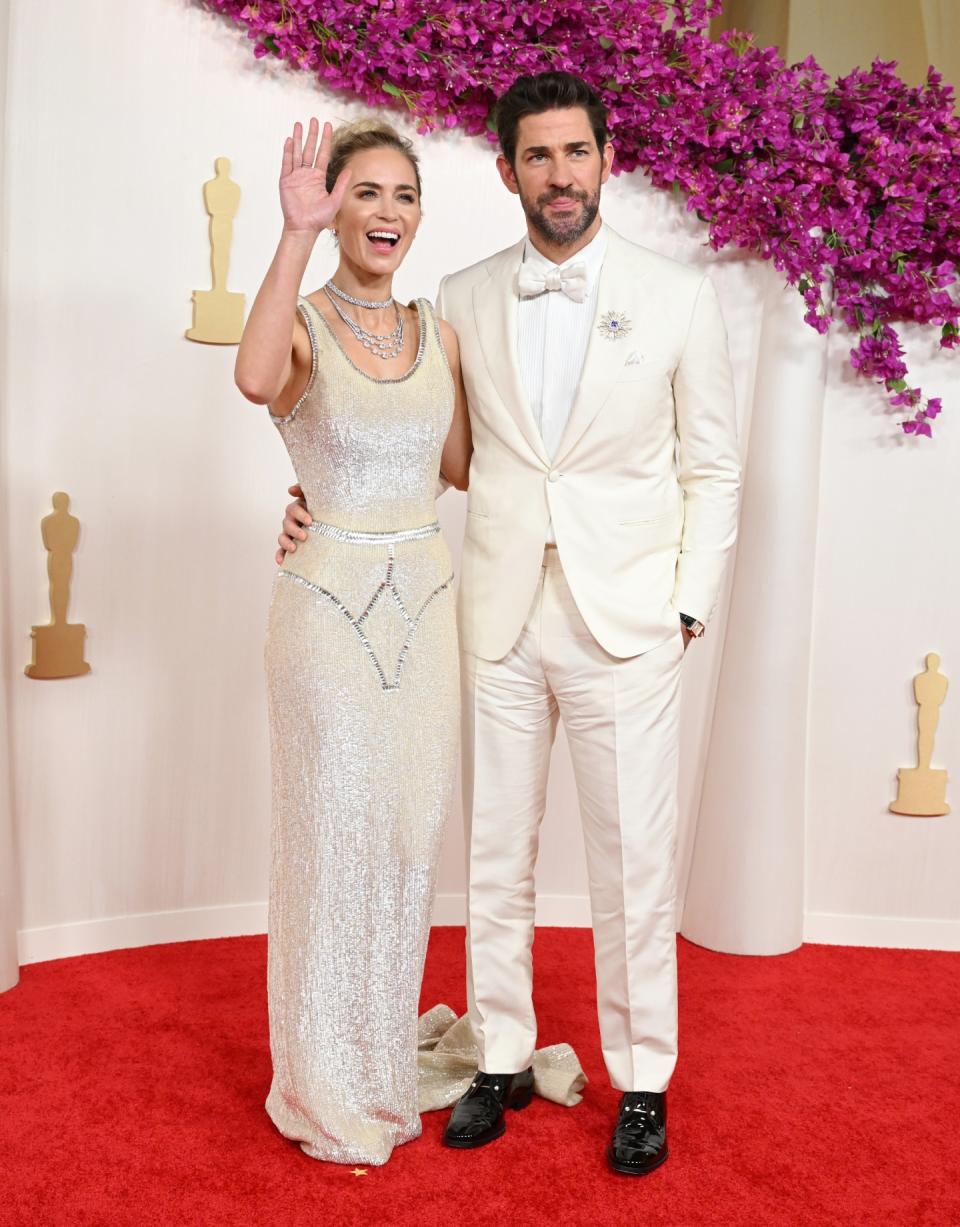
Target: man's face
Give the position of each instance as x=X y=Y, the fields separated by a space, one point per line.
x=558 y=173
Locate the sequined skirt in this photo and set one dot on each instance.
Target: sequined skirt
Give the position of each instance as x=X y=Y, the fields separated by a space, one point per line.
x=363 y=688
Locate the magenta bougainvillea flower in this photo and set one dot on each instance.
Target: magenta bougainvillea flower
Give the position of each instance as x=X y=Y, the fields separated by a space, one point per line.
x=850 y=186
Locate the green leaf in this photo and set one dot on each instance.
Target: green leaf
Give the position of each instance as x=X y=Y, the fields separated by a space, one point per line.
x=271 y=45
x=896 y=385
x=949 y=330
x=724 y=167
x=392 y=90
x=665 y=99
x=605 y=43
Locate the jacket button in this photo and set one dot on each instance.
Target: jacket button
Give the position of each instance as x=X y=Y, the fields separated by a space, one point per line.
x=553 y=475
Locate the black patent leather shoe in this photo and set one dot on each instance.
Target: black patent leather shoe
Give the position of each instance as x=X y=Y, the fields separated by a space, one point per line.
x=640 y=1138
x=478 y=1116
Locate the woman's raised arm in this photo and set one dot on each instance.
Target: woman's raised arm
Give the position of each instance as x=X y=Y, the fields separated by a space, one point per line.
x=273 y=361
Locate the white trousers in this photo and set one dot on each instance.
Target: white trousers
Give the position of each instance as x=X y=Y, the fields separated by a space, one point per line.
x=621 y=722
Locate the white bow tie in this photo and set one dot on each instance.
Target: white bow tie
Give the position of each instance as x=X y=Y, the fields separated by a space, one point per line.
x=571 y=281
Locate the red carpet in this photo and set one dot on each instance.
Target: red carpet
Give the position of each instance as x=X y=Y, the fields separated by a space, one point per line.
x=820 y=1088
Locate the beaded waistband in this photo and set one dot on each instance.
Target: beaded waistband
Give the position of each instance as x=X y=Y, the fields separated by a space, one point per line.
x=355 y=537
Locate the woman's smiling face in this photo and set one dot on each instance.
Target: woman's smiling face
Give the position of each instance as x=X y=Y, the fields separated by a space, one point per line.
x=380 y=213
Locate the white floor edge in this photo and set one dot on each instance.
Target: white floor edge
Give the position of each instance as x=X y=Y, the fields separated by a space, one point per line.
x=898 y=932
x=566 y=911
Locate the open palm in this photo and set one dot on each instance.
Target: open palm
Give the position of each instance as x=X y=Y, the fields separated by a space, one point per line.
x=304 y=199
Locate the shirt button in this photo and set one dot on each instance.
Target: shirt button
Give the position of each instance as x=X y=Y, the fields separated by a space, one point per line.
x=553 y=475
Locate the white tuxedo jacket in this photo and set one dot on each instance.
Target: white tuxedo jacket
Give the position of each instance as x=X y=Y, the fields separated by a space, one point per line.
x=643 y=489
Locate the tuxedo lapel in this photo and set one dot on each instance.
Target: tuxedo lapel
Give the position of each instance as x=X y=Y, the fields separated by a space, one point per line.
x=495 y=312
x=617 y=298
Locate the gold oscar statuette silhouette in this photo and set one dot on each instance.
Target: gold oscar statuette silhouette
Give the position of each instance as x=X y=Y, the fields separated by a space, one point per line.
x=218 y=314
x=922 y=790
x=58 y=647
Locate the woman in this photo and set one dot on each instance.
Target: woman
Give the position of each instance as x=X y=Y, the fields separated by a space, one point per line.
x=361 y=648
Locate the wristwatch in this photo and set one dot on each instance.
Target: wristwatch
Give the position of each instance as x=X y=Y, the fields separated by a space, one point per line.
x=695 y=628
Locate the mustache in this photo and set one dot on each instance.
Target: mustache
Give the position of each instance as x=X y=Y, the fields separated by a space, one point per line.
x=567 y=193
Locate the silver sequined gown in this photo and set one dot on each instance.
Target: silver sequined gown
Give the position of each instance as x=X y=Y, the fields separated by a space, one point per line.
x=362 y=677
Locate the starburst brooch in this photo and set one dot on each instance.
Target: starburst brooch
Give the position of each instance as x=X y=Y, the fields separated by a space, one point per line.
x=614 y=325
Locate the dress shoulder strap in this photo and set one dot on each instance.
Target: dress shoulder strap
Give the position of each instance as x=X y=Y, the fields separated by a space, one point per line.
x=432 y=327
x=309 y=314
x=311 y=317
x=435 y=353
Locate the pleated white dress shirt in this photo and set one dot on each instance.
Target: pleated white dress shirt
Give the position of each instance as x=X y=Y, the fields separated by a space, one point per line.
x=552 y=336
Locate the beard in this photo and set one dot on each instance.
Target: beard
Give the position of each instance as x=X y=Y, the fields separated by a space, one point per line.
x=562 y=232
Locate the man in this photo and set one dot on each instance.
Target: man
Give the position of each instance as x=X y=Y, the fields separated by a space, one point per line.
x=602 y=506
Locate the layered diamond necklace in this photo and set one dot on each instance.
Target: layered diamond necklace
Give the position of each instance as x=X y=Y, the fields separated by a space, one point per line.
x=381 y=345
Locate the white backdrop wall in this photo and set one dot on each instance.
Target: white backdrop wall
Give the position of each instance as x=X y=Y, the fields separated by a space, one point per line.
x=887 y=593
x=9 y=903
x=142 y=798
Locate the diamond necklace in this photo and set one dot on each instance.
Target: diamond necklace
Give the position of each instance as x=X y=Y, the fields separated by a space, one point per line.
x=381 y=345
x=357 y=302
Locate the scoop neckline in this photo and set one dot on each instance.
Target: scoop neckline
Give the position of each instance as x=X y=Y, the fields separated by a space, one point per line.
x=421 y=314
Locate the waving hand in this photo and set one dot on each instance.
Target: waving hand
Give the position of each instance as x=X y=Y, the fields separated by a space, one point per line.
x=306 y=203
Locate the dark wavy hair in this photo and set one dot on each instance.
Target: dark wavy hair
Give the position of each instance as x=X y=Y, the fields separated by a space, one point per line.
x=548 y=91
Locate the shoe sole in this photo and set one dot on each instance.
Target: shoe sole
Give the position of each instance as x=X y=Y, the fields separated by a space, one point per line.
x=628 y=1170
x=472 y=1143
x=517 y=1104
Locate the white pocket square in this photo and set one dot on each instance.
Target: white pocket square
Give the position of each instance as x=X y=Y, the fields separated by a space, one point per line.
x=635 y=358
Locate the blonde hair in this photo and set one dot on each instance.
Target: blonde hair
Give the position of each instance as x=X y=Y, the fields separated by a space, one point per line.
x=364 y=134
